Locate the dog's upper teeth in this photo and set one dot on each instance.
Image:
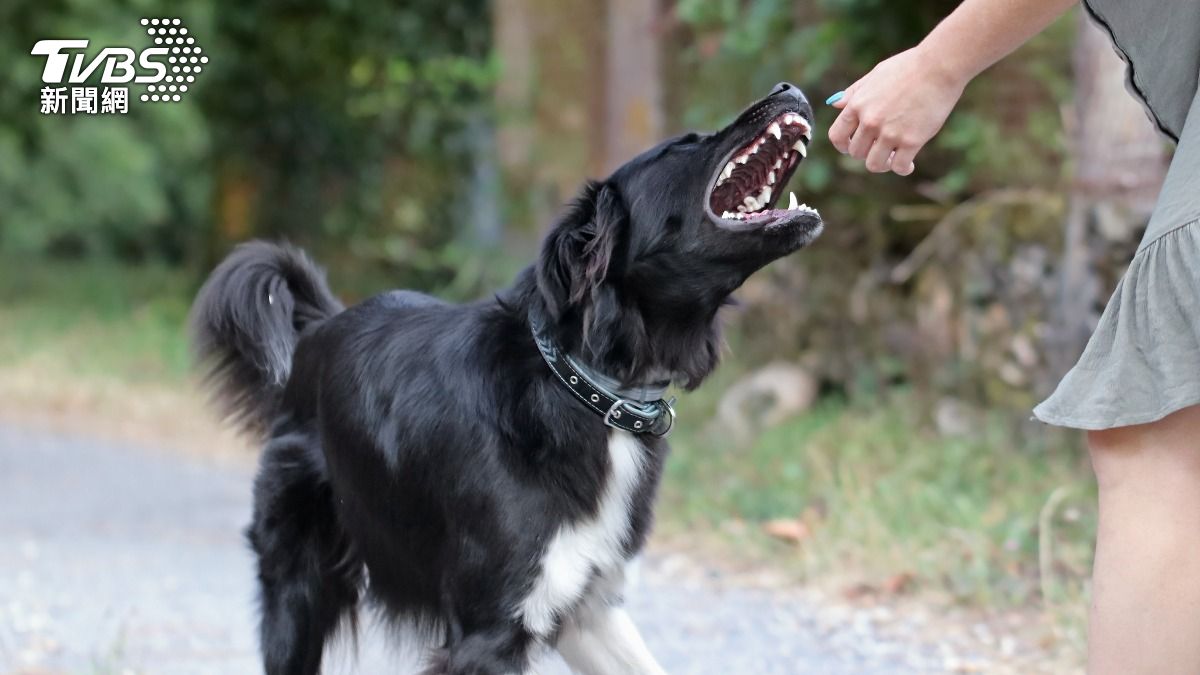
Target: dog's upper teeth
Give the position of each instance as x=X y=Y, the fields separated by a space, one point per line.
x=778 y=163
x=775 y=131
x=791 y=201
x=771 y=177
x=743 y=159
x=728 y=171
x=798 y=146
x=751 y=203
x=764 y=197
x=790 y=118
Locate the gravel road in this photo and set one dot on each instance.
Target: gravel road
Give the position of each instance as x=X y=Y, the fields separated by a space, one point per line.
x=118 y=560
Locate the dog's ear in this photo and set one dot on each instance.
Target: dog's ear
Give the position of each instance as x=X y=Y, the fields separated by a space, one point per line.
x=578 y=252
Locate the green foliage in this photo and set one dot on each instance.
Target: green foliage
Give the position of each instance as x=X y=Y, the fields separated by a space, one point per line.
x=340 y=121
x=110 y=185
x=352 y=120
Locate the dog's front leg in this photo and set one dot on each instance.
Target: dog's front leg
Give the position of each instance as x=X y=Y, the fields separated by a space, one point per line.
x=599 y=637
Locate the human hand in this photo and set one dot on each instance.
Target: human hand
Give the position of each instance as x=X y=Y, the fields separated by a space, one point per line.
x=889 y=114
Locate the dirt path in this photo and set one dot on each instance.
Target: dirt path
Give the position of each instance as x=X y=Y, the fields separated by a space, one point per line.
x=118 y=559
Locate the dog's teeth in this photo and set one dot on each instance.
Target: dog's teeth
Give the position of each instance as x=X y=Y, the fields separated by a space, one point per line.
x=799 y=147
x=775 y=131
x=778 y=163
x=771 y=177
x=791 y=201
x=751 y=204
x=743 y=159
x=741 y=209
x=765 y=196
x=727 y=172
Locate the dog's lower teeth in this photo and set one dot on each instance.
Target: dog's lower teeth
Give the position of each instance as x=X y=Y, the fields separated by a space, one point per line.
x=791 y=201
x=751 y=204
x=765 y=196
x=771 y=177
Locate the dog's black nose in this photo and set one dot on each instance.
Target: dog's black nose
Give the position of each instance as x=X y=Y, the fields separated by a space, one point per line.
x=785 y=89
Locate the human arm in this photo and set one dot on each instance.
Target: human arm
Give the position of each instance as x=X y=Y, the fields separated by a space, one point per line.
x=905 y=100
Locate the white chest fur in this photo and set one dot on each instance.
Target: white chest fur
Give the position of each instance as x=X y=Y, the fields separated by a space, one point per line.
x=593 y=543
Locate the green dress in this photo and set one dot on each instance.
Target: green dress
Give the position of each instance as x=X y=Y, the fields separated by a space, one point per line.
x=1143 y=361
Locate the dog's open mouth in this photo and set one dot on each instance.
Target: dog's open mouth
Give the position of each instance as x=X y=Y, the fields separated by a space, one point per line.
x=752 y=179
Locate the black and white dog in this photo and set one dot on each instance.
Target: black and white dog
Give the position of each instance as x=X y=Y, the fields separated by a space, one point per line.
x=484 y=473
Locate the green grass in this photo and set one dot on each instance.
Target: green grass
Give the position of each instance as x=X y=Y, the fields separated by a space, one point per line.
x=95 y=319
x=881 y=496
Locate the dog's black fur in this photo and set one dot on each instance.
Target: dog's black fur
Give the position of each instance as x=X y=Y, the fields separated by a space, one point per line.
x=428 y=444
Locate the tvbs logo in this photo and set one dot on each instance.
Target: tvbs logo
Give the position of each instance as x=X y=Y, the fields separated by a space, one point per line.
x=167 y=69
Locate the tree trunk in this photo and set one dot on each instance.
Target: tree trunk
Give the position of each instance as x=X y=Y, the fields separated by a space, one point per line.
x=634 y=108
x=581 y=93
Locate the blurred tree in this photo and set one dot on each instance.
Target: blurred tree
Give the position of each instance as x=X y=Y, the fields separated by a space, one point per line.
x=551 y=101
x=346 y=121
x=344 y=125
x=131 y=185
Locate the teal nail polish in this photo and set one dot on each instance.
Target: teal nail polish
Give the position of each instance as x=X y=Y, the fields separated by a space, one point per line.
x=835 y=98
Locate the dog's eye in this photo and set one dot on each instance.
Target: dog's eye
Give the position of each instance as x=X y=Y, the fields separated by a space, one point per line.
x=688 y=139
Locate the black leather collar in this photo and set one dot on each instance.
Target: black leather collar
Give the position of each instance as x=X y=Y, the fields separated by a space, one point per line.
x=621 y=409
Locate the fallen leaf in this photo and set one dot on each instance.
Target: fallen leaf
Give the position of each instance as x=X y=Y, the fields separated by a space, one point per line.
x=898 y=583
x=859 y=591
x=790 y=530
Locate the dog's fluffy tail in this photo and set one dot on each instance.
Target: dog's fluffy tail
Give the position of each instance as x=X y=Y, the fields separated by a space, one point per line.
x=246 y=321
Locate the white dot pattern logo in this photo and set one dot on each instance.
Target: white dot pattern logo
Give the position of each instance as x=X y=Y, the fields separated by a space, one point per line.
x=186 y=62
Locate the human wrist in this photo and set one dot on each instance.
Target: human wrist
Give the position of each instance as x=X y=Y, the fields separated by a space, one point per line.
x=945 y=64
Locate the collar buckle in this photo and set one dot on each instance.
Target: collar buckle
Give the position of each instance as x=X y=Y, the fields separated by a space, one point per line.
x=667 y=406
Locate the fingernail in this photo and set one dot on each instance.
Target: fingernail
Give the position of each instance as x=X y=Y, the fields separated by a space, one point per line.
x=835 y=98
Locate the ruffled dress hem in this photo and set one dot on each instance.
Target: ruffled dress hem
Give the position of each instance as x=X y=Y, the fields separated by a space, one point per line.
x=1142 y=363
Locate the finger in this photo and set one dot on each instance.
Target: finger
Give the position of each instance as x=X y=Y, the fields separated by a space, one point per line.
x=902 y=161
x=842 y=130
x=879 y=159
x=842 y=99
x=861 y=142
